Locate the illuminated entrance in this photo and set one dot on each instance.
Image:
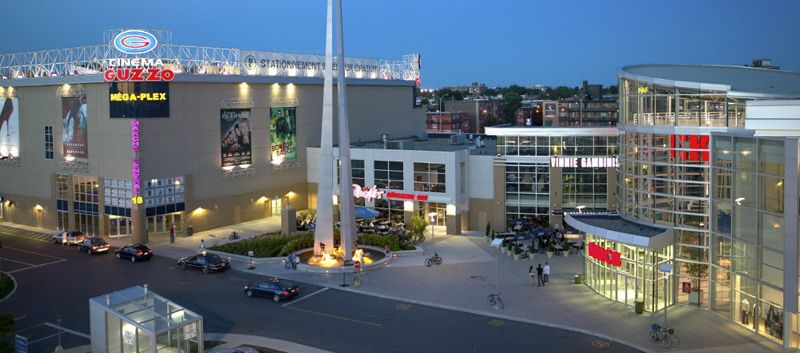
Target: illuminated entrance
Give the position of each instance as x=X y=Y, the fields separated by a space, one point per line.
x=622 y=260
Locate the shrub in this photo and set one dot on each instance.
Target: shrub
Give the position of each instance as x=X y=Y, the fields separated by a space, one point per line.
x=6 y=285
x=380 y=241
x=418 y=225
x=267 y=245
x=300 y=242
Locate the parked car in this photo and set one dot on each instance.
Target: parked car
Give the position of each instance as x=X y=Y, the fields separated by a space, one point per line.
x=73 y=238
x=275 y=288
x=94 y=245
x=204 y=261
x=135 y=252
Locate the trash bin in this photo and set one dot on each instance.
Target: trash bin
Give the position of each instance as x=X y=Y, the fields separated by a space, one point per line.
x=639 y=306
x=189 y=231
x=578 y=278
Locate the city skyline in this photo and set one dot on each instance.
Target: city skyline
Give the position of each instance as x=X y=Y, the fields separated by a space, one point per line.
x=454 y=40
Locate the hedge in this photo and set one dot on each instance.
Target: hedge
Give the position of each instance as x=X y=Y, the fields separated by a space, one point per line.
x=274 y=245
x=6 y=285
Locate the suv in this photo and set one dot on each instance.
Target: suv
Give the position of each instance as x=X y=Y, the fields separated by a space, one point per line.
x=93 y=245
x=73 y=238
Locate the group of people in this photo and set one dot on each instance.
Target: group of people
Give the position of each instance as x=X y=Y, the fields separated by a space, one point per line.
x=293 y=261
x=542 y=274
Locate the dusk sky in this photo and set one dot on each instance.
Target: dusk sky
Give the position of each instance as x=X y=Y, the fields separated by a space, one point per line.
x=498 y=42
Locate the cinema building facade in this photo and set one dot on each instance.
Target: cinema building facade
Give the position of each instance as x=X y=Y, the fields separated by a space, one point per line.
x=183 y=135
x=707 y=196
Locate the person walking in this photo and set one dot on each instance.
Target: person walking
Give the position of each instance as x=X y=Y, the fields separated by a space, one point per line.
x=531 y=274
x=546 y=272
x=295 y=261
x=539 y=276
x=172 y=233
x=202 y=245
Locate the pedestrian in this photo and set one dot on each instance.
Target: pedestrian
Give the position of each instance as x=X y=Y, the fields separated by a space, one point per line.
x=539 y=276
x=172 y=233
x=531 y=274
x=202 y=245
x=295 y=261
x=546 y=272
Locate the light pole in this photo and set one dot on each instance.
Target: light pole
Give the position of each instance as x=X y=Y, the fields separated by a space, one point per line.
x=439 y=121
x=440 y=101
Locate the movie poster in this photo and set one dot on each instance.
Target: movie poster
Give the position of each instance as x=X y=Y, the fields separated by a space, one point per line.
x=74 y=124
x=235 y=134
x=283 y=134
x=9 y=128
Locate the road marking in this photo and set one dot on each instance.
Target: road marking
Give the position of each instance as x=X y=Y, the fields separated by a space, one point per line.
x=37 y=266
x=33 y=252
x=44 y=338
x=19 y=262
x=62 y=328
x=336 y=317
x=26 y=237
x=305 y=297
x=30 y=327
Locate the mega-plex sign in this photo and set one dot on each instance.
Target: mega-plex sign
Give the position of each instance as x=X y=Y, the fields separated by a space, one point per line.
x=611 y=257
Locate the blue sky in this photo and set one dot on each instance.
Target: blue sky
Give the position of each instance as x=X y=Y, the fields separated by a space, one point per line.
x=498 y=42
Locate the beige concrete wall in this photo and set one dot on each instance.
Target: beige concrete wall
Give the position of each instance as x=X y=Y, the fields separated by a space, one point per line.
x=611 y=183
x=483 y=211
x=188 y=143
x=498 y=217
x=556 y=195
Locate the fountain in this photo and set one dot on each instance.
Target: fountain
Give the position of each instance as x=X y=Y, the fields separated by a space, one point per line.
x=324 y=254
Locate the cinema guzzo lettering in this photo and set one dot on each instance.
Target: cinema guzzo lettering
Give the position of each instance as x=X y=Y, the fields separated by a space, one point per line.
x=136 y=69
x=586 y=162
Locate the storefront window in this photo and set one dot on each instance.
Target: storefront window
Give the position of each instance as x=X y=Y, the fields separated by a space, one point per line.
x=429 y=177
x=388 y=175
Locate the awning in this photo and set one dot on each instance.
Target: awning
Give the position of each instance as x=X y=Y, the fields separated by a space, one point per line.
x=618 y=229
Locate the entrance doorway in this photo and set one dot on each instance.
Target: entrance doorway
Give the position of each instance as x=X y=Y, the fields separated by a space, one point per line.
x=119 y=226
x=161 y=223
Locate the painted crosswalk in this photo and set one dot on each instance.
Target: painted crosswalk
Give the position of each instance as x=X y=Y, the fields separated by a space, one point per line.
x=16 y=232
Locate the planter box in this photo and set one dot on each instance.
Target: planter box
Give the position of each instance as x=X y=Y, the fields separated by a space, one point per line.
x=516 y=257
x=549 y=254
x=565 y=253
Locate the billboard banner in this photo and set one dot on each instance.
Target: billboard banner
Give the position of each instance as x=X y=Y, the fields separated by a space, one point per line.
x=139 y=99
x=283 y=134
x=74 y=124
x=235 y=137
x=9 y=128
x=259 y=63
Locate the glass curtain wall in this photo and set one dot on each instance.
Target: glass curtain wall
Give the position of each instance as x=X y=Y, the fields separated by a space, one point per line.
x=644 y=103
x=527 y=193
x=747 y=233
x=664 y=180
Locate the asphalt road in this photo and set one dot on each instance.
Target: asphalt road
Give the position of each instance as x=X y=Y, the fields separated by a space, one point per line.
x=55 y=282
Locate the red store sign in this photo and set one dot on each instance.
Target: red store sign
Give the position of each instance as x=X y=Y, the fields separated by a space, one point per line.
x=403 y=196
x=602 y=254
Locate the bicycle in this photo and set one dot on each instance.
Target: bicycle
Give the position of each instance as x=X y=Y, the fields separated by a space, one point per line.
x=665 y=335
x=434 y=259
x=495 y=300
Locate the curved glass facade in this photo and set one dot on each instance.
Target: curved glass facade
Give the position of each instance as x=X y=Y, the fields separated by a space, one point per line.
x=645 y=103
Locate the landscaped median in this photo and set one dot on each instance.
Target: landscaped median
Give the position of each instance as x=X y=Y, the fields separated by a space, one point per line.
x=276 y=245
x=7 y=286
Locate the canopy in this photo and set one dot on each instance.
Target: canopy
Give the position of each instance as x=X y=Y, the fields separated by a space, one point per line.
x=363 y=212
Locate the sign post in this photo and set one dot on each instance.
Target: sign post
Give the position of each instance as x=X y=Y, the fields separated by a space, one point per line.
x=666 y=269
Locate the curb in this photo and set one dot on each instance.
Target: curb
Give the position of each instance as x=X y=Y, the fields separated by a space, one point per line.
x=505 y=317
x=14 y=290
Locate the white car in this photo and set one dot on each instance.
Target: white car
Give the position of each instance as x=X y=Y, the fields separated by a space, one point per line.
x=73 y=238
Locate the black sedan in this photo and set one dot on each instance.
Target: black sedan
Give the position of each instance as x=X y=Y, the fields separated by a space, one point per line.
x=135 y=252
x=204 y=261
x=94 y=245
x=275 y=288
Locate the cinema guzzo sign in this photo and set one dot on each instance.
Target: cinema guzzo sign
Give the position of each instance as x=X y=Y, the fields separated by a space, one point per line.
x=135 y=42
x=585 y=162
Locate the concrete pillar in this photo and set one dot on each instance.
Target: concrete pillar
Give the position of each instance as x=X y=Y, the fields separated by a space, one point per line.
x=790 y=241
x=323 y=233
x=288 y=220
x=138 y=224
x=556 y=196
x=70 y=204
x=453 y=223
x=611 y=188
x=498 y=216
x=347 y=220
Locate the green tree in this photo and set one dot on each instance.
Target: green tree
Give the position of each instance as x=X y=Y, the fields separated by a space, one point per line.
x=418 y=226
x=451 y=94
x=490 y=92
x=7 y=328
x=513 y=101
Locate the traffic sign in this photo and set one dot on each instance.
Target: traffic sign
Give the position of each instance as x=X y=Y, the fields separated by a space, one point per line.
x=357 y=264
x=21 y=343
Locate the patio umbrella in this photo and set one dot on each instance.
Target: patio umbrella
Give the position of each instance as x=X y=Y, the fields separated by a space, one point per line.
x=365 y=213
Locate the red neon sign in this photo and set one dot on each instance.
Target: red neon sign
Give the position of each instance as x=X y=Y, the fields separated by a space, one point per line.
x=138 y=74
x=403 y=196
x=602 y=254
x=694 y=142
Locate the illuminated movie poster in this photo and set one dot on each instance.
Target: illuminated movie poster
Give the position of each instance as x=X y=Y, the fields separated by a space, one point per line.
x=9 y=128
x=283 y=134
x=74 y=124
x=235 y=134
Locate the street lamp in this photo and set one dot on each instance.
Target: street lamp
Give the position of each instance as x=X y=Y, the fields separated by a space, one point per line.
x=440 y=100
